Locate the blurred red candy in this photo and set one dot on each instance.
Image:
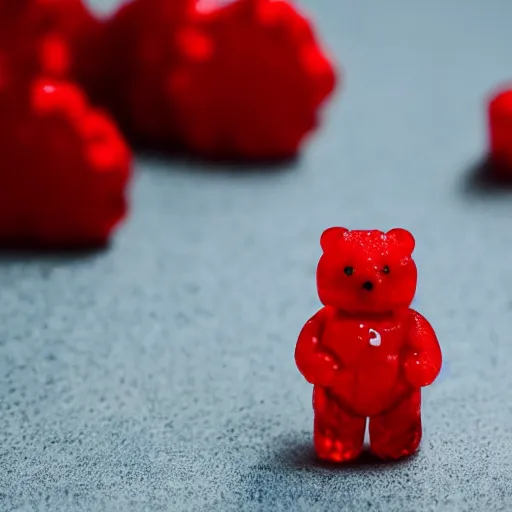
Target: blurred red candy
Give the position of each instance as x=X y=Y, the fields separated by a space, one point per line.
x=56 y=38
x=140 y=51
x=65 y=168
x=240 y=81
x=250 y=82
x=500 y=132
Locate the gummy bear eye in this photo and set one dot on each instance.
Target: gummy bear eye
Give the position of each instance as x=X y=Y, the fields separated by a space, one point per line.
x=385 y=269
x=348 y=271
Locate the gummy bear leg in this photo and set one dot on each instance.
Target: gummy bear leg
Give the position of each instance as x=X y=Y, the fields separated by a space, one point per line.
x=338 y=434
x=397 y=432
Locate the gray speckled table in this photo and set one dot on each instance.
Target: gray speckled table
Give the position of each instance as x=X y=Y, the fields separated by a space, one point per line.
x=159 y=375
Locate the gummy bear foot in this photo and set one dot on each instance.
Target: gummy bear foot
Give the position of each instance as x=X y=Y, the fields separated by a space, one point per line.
x=395 y=451
x=330 y=449
x=397 y=433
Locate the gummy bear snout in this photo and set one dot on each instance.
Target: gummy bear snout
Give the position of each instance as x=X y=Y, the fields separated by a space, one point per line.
x=368 y=286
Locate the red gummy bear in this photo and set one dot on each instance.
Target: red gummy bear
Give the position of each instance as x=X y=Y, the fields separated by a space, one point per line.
x=139 y=52
x=251 y=81
x=53 y=38
x=65 y=168
x=366 y=352
x=500 y=133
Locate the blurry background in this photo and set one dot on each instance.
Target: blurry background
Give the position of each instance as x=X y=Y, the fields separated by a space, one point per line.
x=159 y=374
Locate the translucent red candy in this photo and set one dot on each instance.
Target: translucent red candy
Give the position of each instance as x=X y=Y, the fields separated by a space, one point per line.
x=500 y=132
x=245 y=80
x=140 y=49
x=55 y=38
x=64 y=170
x=64 y=166
x=366 y=352
x=251 y=81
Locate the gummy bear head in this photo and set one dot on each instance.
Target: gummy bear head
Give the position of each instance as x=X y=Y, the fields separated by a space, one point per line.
x=366 y=271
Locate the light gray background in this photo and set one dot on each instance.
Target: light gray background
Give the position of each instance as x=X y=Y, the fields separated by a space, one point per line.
x=159 y=375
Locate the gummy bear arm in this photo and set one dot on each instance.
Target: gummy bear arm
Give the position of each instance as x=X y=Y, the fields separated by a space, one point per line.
x=316 y=365
x=423 y=358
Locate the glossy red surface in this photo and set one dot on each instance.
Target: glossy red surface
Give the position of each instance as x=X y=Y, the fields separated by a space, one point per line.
x=52 y=38
x=366 y=352
x=240 y=81
x=245 y=80
x=500 y=132
x=65 y=168
x=140 y=51
x=251 y=82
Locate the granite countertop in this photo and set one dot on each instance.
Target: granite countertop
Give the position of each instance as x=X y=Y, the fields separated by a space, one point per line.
x=158 y=375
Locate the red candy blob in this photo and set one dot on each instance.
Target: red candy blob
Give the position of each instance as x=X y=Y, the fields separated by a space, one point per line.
x=251 y=80
x=54 y=38
x=64 y=170
x=241 y=81
x=366 y=352
x=139 y=53
x=64 y=166
x=500 y=133
x=244 y=80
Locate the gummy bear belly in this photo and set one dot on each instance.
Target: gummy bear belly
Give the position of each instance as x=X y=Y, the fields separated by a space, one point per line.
x=371 y=388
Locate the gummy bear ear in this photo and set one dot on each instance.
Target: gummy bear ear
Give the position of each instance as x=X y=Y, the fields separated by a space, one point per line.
x=403 y=238
x=330 y=236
